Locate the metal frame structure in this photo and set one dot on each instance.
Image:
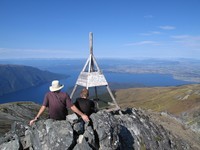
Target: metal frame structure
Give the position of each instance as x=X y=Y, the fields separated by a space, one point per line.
x=91 y=75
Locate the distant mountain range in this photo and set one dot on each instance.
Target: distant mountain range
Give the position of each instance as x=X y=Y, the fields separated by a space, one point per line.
x=180 y=69
x=18 y=77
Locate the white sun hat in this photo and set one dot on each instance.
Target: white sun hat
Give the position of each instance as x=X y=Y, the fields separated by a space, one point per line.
x=55 y=86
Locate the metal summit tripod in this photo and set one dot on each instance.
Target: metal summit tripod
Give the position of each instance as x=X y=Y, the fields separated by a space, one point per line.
x=91 y=75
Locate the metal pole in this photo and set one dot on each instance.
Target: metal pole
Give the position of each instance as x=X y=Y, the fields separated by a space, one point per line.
x=113 y=98
x=91 y=42
x=92 y=69
x=71 y=96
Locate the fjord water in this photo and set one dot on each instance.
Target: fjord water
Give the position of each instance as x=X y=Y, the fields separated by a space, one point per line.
x=73 y=68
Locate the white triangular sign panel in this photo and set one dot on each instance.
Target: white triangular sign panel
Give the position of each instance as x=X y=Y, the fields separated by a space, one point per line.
x=91 y=79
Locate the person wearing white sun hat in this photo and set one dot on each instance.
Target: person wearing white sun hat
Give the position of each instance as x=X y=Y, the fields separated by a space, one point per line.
x=58 y=102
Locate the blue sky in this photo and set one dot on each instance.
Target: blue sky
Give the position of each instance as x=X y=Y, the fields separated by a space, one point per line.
x=121 y=28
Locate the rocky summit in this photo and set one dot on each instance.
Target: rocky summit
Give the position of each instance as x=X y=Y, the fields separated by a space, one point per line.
x=125 y=129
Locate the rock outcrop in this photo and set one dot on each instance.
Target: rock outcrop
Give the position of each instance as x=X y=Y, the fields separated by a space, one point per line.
x=117 y=130
x=17 y=111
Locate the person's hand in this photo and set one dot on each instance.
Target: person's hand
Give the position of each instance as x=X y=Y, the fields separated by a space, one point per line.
x=85 y=118
x=32 y=121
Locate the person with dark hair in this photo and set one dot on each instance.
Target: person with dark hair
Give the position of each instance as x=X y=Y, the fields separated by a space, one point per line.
x=57 y=103
x=84 y=104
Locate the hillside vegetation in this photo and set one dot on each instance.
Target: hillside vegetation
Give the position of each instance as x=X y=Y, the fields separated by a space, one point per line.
x=174 y=100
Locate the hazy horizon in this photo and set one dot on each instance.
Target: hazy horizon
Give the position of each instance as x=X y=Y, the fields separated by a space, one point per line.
x=100 y=58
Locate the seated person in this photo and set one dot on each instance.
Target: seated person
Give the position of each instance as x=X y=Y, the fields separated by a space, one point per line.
x=58 y=102
x=84 y=104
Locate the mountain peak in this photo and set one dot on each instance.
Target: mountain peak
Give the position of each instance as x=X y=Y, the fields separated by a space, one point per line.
x=125 y=129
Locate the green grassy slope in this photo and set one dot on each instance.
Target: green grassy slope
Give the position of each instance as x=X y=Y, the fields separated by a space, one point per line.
x=175 y=100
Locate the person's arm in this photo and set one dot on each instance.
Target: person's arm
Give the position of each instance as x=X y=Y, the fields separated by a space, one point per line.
x=76 y=110
x=94 y=107
x=42 y=109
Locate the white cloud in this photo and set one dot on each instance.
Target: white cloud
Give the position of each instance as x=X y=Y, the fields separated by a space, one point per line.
x=167 y=27
x=151 y=33
x=180 y=36
x=188 y=41
x=143 y=43
x=36 y=53
x=155 y=32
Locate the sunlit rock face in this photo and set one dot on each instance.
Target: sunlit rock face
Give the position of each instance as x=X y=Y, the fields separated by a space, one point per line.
x=126 y=129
